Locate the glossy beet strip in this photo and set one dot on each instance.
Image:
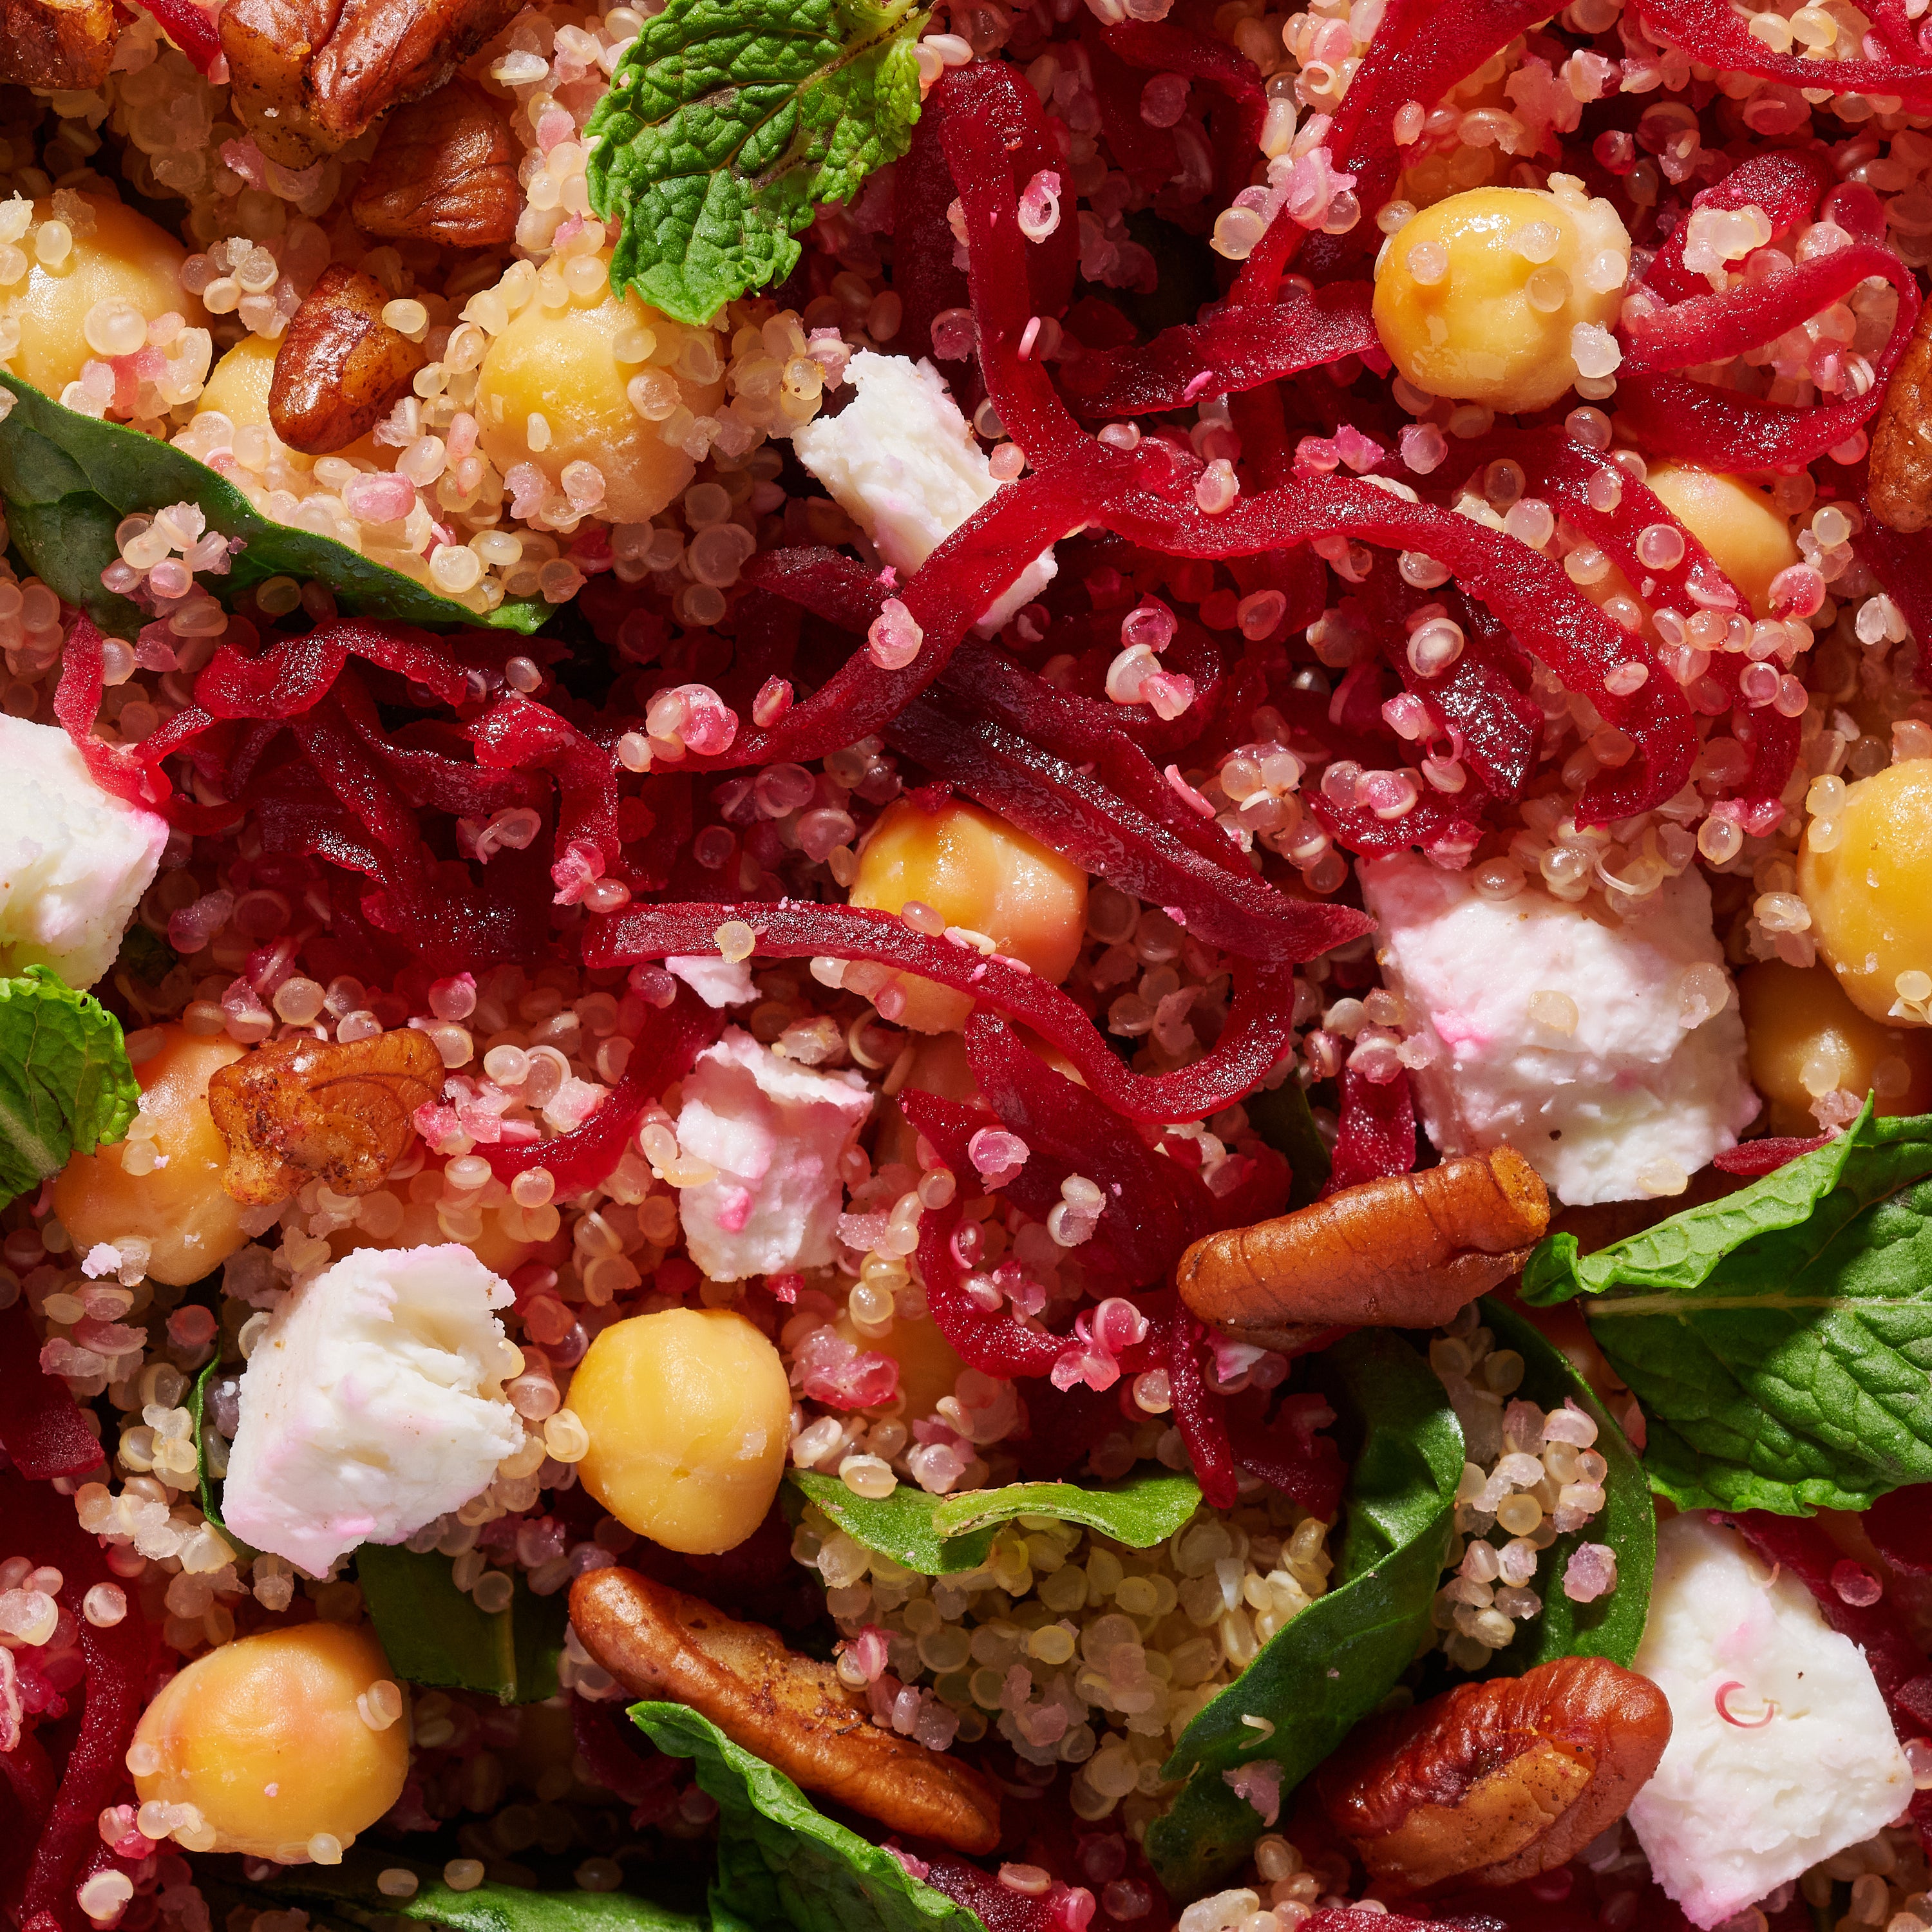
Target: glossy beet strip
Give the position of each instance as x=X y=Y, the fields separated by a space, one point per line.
x=1786 y=185
x=192 y=28
x=1200 y=1416
x=996 y=1344
x=40 y=1425
x=1167 y=47
x=1714 y=32
x=1257 y=1033
x=1377 y=1137
x=294 y=673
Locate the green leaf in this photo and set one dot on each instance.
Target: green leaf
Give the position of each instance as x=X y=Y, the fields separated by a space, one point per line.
x=782 y=1865
x=1283 y=1120
x=209 y=1490
x=1613 y=1626
x=67 y=480
x=729 y=122
x=1780 y=1339
x=65 y=1084
x=432 y=1634
x=1331 y=1666
x=938 y=1536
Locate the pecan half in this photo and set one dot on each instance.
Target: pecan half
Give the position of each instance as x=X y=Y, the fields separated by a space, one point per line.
x=1900 y=487
x=57 y=43
x=1496 y=1782
x=1402 y=1253
x=303 y=1110
x=340 y=365
x=792 y=1710
x=444 y=170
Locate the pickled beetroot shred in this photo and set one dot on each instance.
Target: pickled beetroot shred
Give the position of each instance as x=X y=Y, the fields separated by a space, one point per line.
x=1376 y=1138
x=1257 y=1034
x=1169 y=46
x=294 y=673
x=1147 y=154
x=192 y=28
x=1198 y=1413
x=1441 y=826
x=1232 y=350
x=1699 y=424
x=1756 y=1158
x=1482 y=696
x=1899 y=561
x=998 y=1344
x=1286 y=1449
x=517 y=734
x=1712 y=32
x=1900 y=1526
x=924 y=276
x=1786 y=184
x=608 y=1743
x=40 y=1425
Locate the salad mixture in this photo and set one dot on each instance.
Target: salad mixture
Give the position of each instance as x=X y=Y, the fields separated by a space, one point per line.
x=965 y=969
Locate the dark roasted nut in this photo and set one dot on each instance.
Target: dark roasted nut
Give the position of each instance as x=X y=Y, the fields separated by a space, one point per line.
x=1900 y=489
x=1493 y=1783
x=340 y=365
x=1404 y=1253
x=444 y=170
x=791 y=1710
x=304 y=1110
x=67 y=44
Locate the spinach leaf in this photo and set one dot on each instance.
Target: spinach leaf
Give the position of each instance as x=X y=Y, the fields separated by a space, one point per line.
x=727 y=123
x=432 y=1634
x=1779 y=1340
x=1613 y=1626
x=1331 y=1666
x=939 y=1535
x=209 y=1493
x=67 y=480
x=1283 y=1119
x=782 y=1865
x=65 y=1084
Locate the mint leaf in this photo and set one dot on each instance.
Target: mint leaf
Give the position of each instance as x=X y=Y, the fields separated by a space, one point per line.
x=729 y=122
x=1780 y=1339
x=65 y=1084
x=1282 y=1118
x=1328 y=1667
x=432 y=1634
x=782 y=1865
x=939 y=1536
x=208 y=1488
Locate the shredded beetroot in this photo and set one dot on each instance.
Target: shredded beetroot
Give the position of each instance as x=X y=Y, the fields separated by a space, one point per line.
x=1287 y=1450
x=1169 y=46
x=1900 y=1525
x=1200 y=1416
x=608 y=1743
x=1786 y=185
x=192 y=28
x=998 y=1344
x=1712 y=31
x=40 y=1425
x=1756 y=1159
x=1377 y=1136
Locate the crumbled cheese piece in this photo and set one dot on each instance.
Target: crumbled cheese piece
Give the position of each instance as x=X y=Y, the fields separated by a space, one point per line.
x=1738 y=1806
x=373 y=1403
x=717 y=981
x=775 y=1130
x=74 y=859
x=1643 y=1084
x=901 y=462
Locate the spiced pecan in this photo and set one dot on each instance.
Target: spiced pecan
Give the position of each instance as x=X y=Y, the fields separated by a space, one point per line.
x=57 y=43
x=1900 y=486
x=444 y=170
x=303 y=1110
x=1402 y=1253
x=340 y=365
x=792 y=1710
x=1493 y=1783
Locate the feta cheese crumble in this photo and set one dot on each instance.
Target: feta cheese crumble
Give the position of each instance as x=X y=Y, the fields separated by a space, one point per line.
x=775 y=1131
x=717 y=981
x=373 y=1403
x=74 y=859
x=1586 y=1043
x=1804 y=1764
x=900 y=460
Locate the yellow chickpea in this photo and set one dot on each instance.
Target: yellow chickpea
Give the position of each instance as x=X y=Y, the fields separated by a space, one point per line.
x=264 y=1737
x=975 y=870
x=1748 y=538
x=1478 y=297
x=1805 y=1038
x=554 y=390
x=1870 y=895
x=126 y=258
x=179 y=1208
x=689 y=1416
x=238 y=386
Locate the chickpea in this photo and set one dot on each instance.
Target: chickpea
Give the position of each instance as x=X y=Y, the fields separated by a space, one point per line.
x=975 y=870
x=1476 y=297
x=1805 y=1038
x=561 y=365
x=689 y=1416
x=1871 y=896
x=126 y=257
x=928 y=1367
x=180 y=1208
x=264 y=1737
x=1748 y=539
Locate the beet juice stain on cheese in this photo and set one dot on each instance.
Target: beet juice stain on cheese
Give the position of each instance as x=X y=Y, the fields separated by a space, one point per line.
x=966 y=969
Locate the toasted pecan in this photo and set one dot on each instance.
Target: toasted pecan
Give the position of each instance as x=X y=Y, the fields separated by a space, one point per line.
x=791 y=1710
x=444 y=170
x=302 y=1110
x=340 y=365
x=1402 y=1253
x=1899 y=486
x=67 y=44
x=1495 y=1782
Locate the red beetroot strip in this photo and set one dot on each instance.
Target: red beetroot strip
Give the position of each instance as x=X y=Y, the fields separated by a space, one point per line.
x=40 y=1425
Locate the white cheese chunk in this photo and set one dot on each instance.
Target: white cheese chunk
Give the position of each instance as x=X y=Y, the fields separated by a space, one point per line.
x=717 y=982
x=1645 y=1082
x=373 y=1403
x=901 y=462
x=775 y=1131
x=74 y=859
x=1739 y=1805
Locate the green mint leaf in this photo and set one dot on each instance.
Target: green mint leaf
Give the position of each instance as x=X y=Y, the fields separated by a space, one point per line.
x=1283 y=1119
x=209 y=1485
x=782 y=1865
x=66 y=480
x=1779 y=1340
x=729 y=122
x=1327 y=1668
x=65 y=1084
x=432 y=1634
